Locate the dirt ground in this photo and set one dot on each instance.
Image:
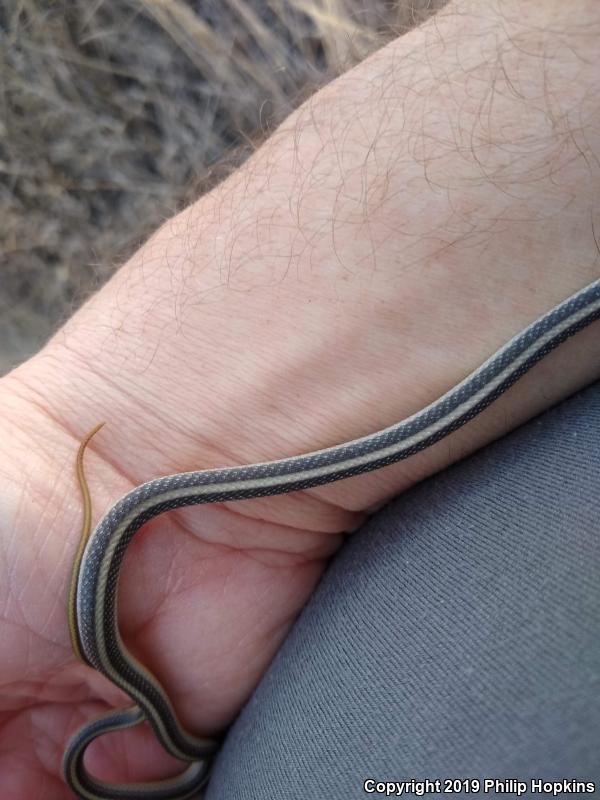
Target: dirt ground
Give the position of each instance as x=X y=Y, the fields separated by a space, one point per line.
x=115 y=113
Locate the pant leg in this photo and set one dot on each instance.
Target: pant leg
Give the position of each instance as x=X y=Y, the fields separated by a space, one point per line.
x=457 y=634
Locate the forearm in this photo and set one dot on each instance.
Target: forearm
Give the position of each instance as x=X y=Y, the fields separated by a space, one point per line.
x=442 y=193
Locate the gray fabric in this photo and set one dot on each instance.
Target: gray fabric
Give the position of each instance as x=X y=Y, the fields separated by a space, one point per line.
x=457 y=634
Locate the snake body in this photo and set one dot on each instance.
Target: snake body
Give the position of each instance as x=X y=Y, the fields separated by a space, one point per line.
x=93 y=605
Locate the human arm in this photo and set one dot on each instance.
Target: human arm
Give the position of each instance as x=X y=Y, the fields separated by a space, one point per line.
x=391 y=234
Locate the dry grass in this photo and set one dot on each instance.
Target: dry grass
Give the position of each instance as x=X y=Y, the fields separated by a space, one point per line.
x=114 y=112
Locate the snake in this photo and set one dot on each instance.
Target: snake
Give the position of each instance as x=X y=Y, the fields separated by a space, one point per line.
x=92 y=604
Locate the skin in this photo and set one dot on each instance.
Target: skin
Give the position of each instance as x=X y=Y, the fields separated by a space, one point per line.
x=392 y=233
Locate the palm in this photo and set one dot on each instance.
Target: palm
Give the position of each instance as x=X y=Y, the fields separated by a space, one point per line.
x=206 y=599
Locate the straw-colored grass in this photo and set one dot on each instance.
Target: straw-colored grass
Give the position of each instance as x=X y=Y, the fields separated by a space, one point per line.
x=114 y=112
